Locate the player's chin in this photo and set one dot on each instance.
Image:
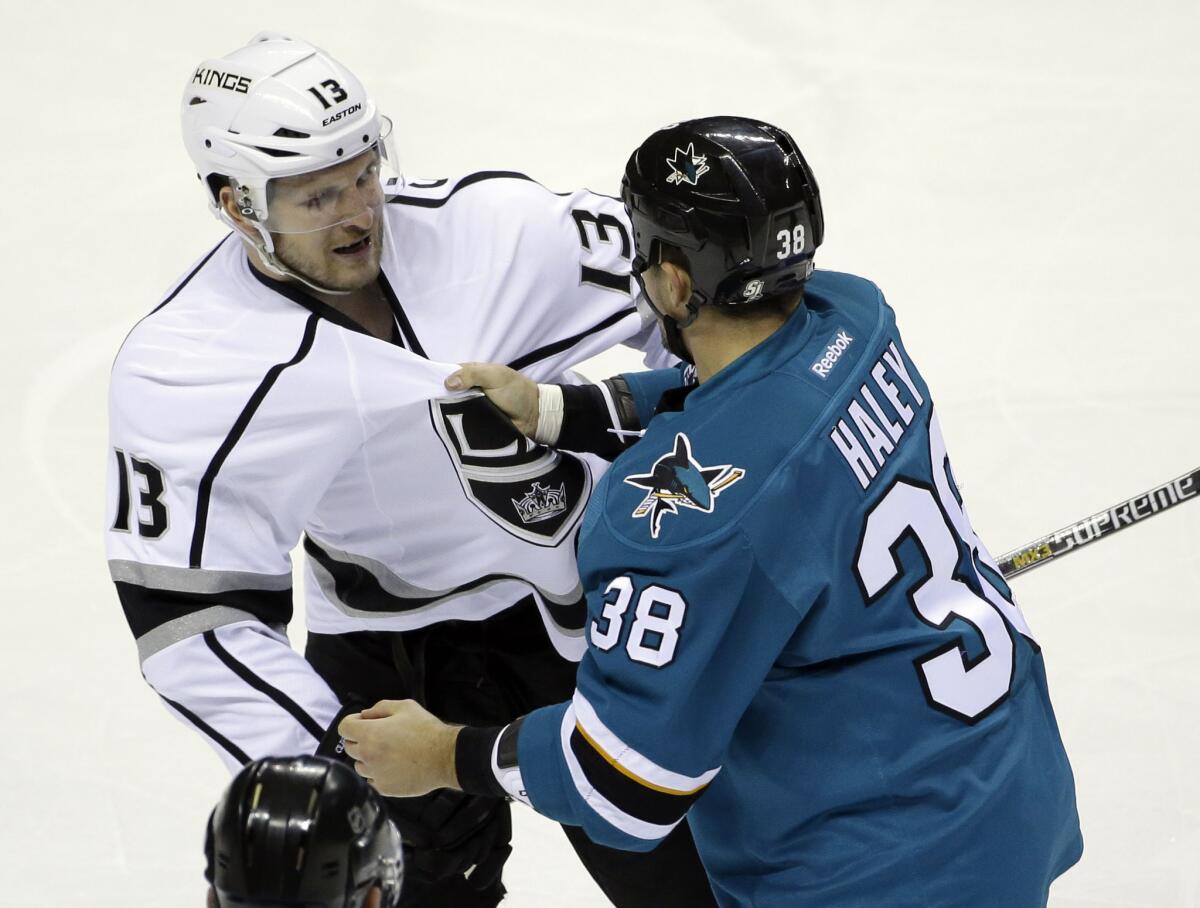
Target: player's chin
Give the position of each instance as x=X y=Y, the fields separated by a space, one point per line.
x=355 y=263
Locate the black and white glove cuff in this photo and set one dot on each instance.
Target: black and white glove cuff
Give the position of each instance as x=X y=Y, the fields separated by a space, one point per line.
x=485 y=760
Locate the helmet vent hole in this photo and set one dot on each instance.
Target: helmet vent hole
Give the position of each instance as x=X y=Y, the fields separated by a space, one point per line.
x=366 y=139
x=208 y=143
x=278 y=152
x=284 y=133
x=339 y=152
x=195 y=101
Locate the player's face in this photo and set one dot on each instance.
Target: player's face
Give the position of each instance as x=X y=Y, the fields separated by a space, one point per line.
x=328 y=225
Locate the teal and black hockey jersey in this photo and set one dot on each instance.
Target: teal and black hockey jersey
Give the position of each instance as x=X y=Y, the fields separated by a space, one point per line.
x=796 y=638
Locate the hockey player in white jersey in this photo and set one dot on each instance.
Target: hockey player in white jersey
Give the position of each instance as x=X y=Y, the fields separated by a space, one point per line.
x=282 y=392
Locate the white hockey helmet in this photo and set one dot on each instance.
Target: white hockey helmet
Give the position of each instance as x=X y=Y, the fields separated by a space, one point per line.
x=277 y=107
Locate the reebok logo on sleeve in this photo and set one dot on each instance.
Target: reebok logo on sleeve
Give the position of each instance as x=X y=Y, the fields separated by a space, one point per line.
x=828 y=359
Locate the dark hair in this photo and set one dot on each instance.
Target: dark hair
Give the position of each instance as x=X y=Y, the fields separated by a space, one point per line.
x=779 y=305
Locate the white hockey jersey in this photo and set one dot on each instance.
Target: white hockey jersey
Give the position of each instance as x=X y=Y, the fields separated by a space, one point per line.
x=246 y=415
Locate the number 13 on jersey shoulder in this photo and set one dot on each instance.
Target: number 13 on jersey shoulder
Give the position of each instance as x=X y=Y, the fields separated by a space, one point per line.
x=932 y=517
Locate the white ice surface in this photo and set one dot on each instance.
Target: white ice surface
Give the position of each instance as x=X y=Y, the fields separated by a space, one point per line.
x=1020 y=178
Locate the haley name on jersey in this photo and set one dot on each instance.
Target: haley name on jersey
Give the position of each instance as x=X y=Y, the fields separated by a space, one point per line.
x=245 y=416
x=796 y=634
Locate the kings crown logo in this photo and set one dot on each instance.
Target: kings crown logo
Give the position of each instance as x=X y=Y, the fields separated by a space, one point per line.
x=541 y=503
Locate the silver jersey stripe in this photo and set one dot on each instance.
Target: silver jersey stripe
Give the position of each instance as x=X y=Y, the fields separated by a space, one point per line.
x=172 y=632
x=193 y=580
x=397 y=586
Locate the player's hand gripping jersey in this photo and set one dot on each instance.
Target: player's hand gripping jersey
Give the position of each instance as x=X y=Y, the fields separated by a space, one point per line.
x=796 y=634
x=246 y=415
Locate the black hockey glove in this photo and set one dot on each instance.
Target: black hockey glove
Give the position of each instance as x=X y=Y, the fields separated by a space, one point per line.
x=330 y=744
x=446 y=834
x=451 y=836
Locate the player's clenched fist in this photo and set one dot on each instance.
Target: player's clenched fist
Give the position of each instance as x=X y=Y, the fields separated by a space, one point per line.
x=400 y=748
x=512 y=392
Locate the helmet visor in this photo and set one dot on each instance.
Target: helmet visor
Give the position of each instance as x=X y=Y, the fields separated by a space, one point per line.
x=346 y=193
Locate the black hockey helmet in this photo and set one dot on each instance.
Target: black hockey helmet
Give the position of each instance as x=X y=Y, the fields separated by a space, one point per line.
x=301 y=831
x=736 y=196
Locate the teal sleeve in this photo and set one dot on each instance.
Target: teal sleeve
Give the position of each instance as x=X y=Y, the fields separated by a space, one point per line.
x=647 y=388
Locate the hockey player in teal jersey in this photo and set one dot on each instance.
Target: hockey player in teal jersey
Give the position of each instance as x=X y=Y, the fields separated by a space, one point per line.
x=795 y=636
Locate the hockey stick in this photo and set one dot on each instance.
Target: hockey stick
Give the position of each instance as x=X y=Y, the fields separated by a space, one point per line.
x=1105 y=523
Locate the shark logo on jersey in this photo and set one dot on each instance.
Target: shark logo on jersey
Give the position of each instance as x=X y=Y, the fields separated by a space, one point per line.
x=687 y=166
x=678 y=480
x=753 y=291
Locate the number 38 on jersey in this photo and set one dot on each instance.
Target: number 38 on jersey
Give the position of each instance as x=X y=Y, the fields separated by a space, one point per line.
x=654 y=631
x=945 y=595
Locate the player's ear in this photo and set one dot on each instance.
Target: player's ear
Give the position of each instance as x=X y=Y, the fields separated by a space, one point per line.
x=374 y=898
x=679 y=289
x=229 y=206
x=211 y=901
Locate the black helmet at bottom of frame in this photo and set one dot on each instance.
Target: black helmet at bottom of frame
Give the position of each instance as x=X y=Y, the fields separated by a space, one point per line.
x=301 y=831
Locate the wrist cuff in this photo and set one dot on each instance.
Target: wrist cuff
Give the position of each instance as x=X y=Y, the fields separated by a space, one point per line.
x=505 y=766
x=550 y=414
x=473 y=761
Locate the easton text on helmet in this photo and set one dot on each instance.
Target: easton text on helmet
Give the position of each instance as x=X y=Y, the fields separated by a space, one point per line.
x=353 y=108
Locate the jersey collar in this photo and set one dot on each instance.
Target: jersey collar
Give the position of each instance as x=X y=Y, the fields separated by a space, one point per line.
x=301 y=297
x=764 y=357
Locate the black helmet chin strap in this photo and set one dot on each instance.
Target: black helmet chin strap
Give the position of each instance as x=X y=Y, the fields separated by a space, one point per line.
x=673 y=329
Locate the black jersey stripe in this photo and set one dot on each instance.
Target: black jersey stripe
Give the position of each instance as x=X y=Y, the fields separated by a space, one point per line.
x=359 y=589
x=469 y=180
x=174 y=293
x=406 y=328
x=228 y=746
x=567 y=343
x=259 y=684
x=629 y=795
x=305 y=300
x=402 y=331
x=204 y=261
x=235 y=433
x=146 y=609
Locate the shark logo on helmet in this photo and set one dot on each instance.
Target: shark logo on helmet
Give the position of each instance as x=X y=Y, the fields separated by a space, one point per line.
x=678 y=480
x=687 y=166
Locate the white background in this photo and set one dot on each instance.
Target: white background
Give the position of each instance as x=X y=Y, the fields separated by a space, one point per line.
x=1020 y=178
